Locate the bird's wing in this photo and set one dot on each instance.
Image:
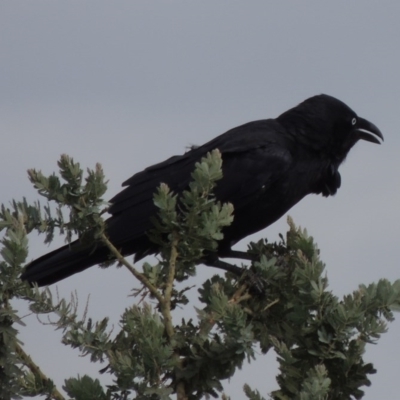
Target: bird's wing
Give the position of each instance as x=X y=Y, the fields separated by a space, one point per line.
x=253 y=156
x=176 y=171
x=251 y=173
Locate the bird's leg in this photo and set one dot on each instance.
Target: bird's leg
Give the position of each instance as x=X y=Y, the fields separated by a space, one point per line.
x=217 y=263
x=256 y=283
x=242 y=255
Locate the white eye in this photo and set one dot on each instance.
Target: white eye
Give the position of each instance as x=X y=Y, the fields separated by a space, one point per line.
x=354 y=121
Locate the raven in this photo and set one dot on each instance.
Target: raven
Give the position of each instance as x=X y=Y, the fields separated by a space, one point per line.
x=268 y=166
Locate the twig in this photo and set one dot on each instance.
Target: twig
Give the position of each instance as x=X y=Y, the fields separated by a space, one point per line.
x=153 y=290
x=27 y=361
x=271 y=304
x=180 y=391
x=166 y=304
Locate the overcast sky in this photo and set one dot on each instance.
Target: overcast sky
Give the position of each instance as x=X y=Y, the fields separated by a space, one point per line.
x=130 y=83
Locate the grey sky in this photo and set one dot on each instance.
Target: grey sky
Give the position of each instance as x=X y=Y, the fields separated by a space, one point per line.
x=130 y=83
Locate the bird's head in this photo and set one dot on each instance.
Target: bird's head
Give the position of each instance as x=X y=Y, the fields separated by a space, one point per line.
x=329 y=125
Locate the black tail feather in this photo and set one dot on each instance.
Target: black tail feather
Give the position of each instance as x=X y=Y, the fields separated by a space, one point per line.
x=63 y=262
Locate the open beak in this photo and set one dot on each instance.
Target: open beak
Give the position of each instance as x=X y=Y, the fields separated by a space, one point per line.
x=366 y=130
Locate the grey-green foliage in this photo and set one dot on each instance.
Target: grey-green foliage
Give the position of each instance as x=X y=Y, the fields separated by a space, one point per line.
x=319 y=339
x=195 y=219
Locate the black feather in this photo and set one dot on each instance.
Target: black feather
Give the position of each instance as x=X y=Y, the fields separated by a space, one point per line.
x=268 y=166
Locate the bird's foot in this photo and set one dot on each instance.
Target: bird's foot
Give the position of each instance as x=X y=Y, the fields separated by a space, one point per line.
x=255 y=282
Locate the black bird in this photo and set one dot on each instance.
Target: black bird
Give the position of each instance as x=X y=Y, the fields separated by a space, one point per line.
x=268 y=166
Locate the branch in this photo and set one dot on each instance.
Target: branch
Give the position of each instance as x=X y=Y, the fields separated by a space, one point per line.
x=166 y=304
x=27 y=361
x=153 y=290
